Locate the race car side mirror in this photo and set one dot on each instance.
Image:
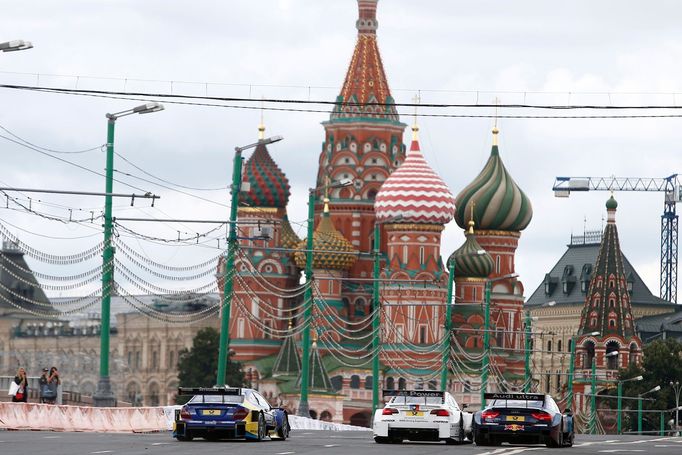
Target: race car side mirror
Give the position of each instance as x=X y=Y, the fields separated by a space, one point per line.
x=568 y=412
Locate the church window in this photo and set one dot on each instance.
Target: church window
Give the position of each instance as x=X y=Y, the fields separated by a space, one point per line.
x=369 y=382
x=497 y=264
x=612 y=322
x=155 y=361
x=374 y=160
x=422 y=334
x=466 y=386
x=402 y=383
x=612 y=302
x=346 y=160
x=599 y=282
x=612 y=283
x=138 y=360
x=337 y=382
x=421 y=254
x=390 y=383
x=355 y=382
x=171 y=360
x=597 y=300
x=558 y=346
x=240 y=328
x=549 y=346
x=475 y=297
x=374 y=177
x=345 y=176
x=404 y=254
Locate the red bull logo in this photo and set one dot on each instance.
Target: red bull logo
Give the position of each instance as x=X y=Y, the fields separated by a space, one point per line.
x=514 y=427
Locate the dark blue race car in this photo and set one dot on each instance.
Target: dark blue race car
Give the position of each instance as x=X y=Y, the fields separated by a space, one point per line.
x=228 y=413
x=523 y=418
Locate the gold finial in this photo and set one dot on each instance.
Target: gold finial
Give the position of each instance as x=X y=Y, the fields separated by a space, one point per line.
x=495 y=130
x=261 y=126
x=291 y=324
x=471 y=218
x=415 y=128
x=314 y=339
x=326 y=205
x=471 y=227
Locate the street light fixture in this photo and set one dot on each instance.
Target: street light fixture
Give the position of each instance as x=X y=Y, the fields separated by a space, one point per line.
x=639 y=407
x=16 y=45
x=571 y=368
x=228 y=285
x=303 y=407
x=676 y=388
x=486 y=333
x=103 y=395
x=620 y=399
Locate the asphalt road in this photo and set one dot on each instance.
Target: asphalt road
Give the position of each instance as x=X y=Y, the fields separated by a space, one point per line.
x=304 y=442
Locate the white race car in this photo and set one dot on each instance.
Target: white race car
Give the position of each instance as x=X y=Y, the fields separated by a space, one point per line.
x=421 y=415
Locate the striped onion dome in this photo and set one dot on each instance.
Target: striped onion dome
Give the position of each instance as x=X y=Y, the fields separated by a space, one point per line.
x=288 y=237
x=414 y=193
x=331 y=250
x=496 y=200
x=269 y=187
x=469 y=262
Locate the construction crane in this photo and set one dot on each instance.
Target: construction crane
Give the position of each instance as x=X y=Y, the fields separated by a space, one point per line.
x=563 y=186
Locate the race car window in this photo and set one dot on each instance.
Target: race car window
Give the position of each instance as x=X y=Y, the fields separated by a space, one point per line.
x=417 y=400
x=262 y=401
x=231 y=399
x=516 y=404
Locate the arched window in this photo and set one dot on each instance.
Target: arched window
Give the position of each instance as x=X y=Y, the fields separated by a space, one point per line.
x=632 y=358
x=390 y=383
x=589 y=354
x=337 y=382
x=558 y=346
x=549 y=346
x=402 y=383
x=497 y=264
x=369 y=380
x=612 y=355
x=355 y=382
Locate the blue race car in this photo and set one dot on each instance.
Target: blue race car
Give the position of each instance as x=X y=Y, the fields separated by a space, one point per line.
x=215 y=413
x=523 y=418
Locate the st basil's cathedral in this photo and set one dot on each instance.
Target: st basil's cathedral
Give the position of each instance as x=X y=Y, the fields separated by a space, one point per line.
x=397 y=189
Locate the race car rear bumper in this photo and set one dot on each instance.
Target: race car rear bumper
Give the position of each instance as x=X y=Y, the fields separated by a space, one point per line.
x=235 y=430
x=522 y=434
x=415 y=431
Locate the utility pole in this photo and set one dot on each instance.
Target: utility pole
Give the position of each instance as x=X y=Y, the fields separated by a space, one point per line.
x=376 y=319
x=103 y=395
x=527 y=375
x=303 y=409
x=486 y=344
x=448 y=328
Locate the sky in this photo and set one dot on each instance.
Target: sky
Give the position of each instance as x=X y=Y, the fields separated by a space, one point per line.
x=449 y=51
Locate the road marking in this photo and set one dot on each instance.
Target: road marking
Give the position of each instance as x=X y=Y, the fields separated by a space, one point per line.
x=160 y=443
x=620 y=450
x=103 y=451
x=51 y=437
x=331 y=445
x=612 y=440
x=285 y=453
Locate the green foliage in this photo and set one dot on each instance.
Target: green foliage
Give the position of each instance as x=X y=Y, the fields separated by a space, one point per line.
x=662 y=364
x=198 y=366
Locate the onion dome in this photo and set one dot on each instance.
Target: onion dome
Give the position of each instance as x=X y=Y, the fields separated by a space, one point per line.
x=470 y=259
x=287 y=235
x=331 y=250
x=496 y=200
x=414 y=193
x=611 y=204
x=269 y=187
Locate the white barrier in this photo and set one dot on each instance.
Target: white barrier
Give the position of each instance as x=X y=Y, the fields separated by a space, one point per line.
x=34 y=416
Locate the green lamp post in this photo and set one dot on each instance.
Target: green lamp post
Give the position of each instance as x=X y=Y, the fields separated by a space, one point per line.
x=639 y=407
x=619 y=424
x=103 y=395
x=228 y=284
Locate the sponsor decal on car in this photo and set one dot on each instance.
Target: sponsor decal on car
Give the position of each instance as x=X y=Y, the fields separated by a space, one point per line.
x=514 y=427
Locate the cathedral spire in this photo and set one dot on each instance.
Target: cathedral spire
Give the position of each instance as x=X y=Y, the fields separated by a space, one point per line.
x=367 y=17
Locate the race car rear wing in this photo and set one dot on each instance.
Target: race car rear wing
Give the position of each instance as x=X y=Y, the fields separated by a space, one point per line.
x=209 y=391
x=413 y=393
x=515 y=396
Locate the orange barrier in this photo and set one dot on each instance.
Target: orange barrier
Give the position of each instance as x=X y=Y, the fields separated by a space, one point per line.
x=34 y=416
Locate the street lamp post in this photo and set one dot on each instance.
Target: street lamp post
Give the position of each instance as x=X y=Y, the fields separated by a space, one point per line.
x=527 y=379
x=619 y=426
x=303 y=407
x=376 y=319
x=677 y=387
x=228 y=284
x=571 y=369
x=639 y=407
x=16 y=45
x=486 y=335
x=103 y=395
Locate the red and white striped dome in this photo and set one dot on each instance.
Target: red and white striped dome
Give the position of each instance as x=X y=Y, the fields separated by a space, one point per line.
x=414 y=193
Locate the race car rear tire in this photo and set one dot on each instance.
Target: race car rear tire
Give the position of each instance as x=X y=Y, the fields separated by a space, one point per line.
x=283 y=431
x=568 y=439
x=261 y=432
x=186 y=437
x=551 y=443
x=382 y=440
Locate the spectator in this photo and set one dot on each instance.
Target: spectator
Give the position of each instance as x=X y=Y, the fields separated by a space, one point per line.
x=53 y=381
x=44 y=389
x=21 y=396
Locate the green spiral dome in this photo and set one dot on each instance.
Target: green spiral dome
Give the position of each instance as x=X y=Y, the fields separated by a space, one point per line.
x=612 y=204
x=468 y=262
x=496 y=200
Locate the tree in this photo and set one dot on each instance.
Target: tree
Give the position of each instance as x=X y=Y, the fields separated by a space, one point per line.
x=198 y=366
x=662 y=363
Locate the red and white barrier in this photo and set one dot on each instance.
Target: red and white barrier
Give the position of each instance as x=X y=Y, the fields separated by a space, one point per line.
x=34 y=416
